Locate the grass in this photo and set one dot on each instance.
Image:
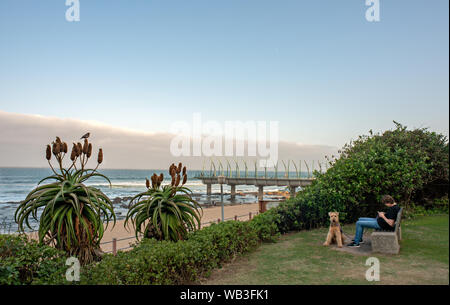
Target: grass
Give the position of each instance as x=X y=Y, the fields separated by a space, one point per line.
x=300 y=258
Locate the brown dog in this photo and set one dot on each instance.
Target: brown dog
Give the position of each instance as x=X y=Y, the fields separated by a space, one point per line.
x=334 y=233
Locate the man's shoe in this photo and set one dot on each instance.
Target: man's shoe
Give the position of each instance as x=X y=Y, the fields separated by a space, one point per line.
x=353 y=245
x=361 y=242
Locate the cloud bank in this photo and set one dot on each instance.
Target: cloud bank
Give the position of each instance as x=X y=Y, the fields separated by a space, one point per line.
x=23 y=139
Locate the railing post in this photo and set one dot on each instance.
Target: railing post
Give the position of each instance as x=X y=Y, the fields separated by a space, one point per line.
x=250 y=216
x=262 y=206
x=208 y=189
x=114 y=246
x=235 y=217
x=260 y=192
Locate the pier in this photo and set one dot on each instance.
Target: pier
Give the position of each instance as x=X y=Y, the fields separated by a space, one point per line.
x=260 y=182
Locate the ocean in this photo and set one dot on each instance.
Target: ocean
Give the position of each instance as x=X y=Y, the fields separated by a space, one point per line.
x=16 y=183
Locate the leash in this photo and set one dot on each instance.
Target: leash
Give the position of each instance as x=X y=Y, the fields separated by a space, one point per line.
x=342 y=232
x=346 y=235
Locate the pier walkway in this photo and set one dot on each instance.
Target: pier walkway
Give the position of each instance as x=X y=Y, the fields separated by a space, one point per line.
x=260 y=182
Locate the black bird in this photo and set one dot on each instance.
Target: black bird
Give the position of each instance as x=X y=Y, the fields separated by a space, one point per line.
x=86 y=136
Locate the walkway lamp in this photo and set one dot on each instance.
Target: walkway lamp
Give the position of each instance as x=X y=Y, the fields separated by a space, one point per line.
x=221 y=181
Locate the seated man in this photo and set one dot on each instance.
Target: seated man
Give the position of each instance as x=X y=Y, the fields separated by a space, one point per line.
x=384 y=221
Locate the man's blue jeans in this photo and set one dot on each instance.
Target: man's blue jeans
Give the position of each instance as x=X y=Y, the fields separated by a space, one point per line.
x=364 y=222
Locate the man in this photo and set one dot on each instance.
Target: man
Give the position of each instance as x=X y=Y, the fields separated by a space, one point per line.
x=384 y=221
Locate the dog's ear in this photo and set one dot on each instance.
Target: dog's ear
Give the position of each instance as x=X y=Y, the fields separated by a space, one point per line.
x=329 y=213
x=337 y=213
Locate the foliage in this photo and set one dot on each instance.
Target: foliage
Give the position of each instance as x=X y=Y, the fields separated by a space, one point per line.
x=400 y=162
x=27 y=262
x=166 y=262
x=167 y=212
x=438 y=206
x=265 y=225
x=407 y=164
x=73 y=214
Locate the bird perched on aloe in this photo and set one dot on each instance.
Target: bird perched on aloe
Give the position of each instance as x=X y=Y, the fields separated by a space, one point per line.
x=86 y=136
x=72 y=216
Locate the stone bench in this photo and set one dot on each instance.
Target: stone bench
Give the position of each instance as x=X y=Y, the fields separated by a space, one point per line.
x=388 y=241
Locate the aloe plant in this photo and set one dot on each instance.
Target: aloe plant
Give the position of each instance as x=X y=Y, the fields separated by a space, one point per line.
x=73 y=214
x=165 y=212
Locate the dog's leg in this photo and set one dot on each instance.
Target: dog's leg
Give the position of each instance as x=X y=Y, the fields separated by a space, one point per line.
x=328 y=241
x=339 y=238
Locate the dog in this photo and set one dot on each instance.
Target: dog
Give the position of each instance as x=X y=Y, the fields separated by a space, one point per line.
x=335 y=232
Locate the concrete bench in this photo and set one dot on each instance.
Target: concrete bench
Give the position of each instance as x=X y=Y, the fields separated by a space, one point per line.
x=388 y=241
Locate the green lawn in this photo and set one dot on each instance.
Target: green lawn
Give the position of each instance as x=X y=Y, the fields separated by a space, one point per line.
x=300 y=258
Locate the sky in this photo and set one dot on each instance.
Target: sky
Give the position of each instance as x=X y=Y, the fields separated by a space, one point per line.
x=318 y=67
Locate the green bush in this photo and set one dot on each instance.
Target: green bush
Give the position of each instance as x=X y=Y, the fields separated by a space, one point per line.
x=266 y=225
x=410 y=165
x=27 y=262
x=438 y=206
x=167 y=262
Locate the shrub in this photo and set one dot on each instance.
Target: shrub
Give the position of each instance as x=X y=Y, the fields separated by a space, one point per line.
x=28 y=262
x=266 y=225
x=166 y=262
x=410 y=165
x=438 y=206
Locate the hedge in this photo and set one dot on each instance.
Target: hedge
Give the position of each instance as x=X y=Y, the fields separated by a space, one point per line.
x=410 y=165
x=24 y=261
x=167 y=262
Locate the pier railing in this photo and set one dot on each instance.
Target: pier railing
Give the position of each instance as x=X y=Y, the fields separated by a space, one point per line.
x=305 y=169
